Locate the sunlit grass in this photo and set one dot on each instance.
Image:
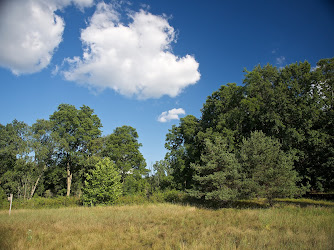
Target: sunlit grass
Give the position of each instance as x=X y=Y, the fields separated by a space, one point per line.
x=167 y=226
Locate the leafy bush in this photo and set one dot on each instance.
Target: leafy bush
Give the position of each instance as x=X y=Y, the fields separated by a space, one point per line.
x=103 y=184
x=132 y=199
x=173 y=196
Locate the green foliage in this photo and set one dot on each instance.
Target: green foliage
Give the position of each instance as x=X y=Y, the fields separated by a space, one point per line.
x=182 y=144
x=73 y=130
x=132 y=199
x=41 y=203
x=268 y=170
x=293 y=104
x=102 y=185
x=219 y=157
x=218 y=177
x=52 y=157
x=162 y=178
x=122 y=147
x=3 y=195
x=18 y=172
x=173 y=196
x=132 y=185
x=55 y=181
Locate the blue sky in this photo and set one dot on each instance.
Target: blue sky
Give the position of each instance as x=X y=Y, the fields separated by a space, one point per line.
x=133 y=61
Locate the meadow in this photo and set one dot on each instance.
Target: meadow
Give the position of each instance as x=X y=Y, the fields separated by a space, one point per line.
x=168 y=226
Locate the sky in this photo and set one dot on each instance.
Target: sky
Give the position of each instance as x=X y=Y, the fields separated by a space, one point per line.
x=146 y=63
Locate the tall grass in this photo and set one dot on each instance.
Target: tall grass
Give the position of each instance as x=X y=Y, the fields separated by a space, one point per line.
x=168 y=226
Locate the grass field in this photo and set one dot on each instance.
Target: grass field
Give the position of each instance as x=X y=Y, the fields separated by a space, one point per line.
x=168 y=226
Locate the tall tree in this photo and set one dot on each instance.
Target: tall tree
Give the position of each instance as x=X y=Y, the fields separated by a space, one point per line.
x=183 y=148
x=323 y=138
x=221 y=113
x=73 y=130
x=122 y=147
x=15 y=165
x=43 y=147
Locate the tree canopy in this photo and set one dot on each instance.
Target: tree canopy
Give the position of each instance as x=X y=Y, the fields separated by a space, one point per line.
x=270 y=137
x=291 y=105
x=58 y=156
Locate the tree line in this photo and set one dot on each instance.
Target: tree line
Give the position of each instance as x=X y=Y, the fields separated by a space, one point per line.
x=270 y=137
x=56 y=156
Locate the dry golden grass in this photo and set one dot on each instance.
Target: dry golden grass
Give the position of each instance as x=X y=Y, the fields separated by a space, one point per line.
x=167 y=226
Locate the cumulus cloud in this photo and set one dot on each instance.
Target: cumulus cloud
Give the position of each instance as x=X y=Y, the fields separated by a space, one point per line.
x=134 y=59
x=30 y=31
x=172 y=114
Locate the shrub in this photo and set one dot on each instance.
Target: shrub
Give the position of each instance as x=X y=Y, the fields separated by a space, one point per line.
x=132 y=199
x=41 y=202
x=103 y=184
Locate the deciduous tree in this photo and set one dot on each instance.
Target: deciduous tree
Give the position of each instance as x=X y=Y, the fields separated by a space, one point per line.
x=73 y=130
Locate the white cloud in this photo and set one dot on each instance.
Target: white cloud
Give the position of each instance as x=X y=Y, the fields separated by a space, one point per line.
x=274 y=51
x=172 y=114
x=30 y=31
x=280 y=60
x=133 y=59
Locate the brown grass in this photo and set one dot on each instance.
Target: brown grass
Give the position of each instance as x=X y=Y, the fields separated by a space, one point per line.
x=167 y=226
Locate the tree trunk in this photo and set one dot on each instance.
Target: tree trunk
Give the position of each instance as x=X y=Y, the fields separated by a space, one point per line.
x=69 y=179
x=25 y=190
x=34 y=187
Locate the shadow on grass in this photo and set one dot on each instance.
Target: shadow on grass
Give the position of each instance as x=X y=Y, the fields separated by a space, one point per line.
x=305 y=202
x=174 y=197
x=255 y=203
x=241 y=204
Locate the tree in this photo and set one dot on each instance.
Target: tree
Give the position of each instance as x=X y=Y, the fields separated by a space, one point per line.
x=322 y=140
x=43 y=147
x=268 y=170
x=218 y=177
x=103 y=184
x=122 y=147
x=162 y=177
x=222 y=113
x=73 y=130
x=16 y=168
x=293 y=104
x=183 y=146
